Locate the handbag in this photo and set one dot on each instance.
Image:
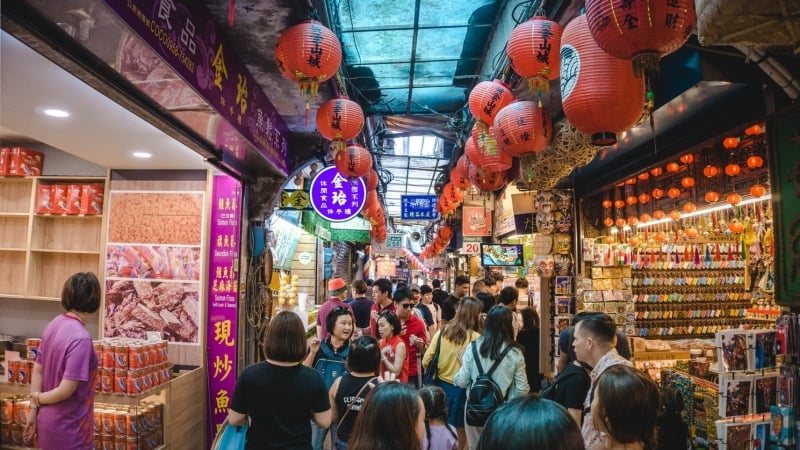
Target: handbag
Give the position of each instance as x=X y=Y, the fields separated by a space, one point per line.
x=230 y=437
x=432 y=372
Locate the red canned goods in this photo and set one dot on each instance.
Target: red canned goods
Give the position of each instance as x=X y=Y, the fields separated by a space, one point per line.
x=119 y=423
x=121 y=357
x=164 y=350
x=6 y=411
x=108 y=423
x=146 y=355
x=12 y=370
x=131 y=424
x=132 y=443
x=98 y=422
x=134 y=383
x=135 y=357
x=21 y=410
x=98 y=349
x=98 y=442
x=120 y=381
x=32 y=345
x=23 y=374
x=107 y=442
x=153 y=350
x=108 y=356
x=107 y=380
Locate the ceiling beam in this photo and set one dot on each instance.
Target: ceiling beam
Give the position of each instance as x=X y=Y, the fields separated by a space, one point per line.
x=413 y=57
x=410 y=27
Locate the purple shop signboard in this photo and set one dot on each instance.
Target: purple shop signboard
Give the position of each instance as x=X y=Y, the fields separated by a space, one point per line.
x=335 y=197
x=183 y=33
x=223 y=283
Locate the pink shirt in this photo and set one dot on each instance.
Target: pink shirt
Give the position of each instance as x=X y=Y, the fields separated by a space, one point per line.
x=66 y=352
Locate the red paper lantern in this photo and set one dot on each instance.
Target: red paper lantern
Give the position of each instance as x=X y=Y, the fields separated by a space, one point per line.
x=600 y=94
x=660 y=237
x=735 y=226
x=675 y=215
x=445 y=232
x=730 y=142
x=687 y=182
x=533 y=51
x=523 y=127
x=631 y=181
x=463 y=163
x=689 y=207
x=631 y=200
x=658 y=193
x=753 y=130
x=607 y=204
x=309 y=54
x=732 y=170
x=656 y=171
x=353 y=162
x=371 y=180
x=609 y=239
x=453 y=193
x=673 y=167
x=619 y=204
x=641 y=30
x=711 y=196
x=658 y=214
x=674 y=192
x=459 y=180
x=711 y=171
x=757 y=190
x=687 y=158
x=734 y=198
x=486 y=180
x=755 y=161
x=692 y=233
x=620 y=222
x=644 y=218
x=632 y=221
x=644 y=198
x=339 y=120
x=644 y=176
x=487 y=99
x=633 y=241
x=608 y=221
x=489 y=155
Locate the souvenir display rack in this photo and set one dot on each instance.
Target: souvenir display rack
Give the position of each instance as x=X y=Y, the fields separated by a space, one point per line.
x=609 y=291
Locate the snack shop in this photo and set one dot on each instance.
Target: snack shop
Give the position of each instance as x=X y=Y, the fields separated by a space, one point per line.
x=210 y=179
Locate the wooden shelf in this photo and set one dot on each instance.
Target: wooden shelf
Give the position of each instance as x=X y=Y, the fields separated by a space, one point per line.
x=68 y=216
x=14 y=214
x=76 y=252
x=12 y=249
x=60 y=178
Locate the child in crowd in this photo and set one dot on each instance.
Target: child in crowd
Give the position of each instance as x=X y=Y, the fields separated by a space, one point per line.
x=439 y=435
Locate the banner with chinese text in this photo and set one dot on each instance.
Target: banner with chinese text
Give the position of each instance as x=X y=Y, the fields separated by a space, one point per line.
x=223 y=295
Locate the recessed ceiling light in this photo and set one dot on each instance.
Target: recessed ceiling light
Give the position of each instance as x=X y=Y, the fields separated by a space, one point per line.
x=52 y=112
x=143 y=155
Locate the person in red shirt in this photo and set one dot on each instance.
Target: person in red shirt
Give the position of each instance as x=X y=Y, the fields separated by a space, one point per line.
x=414 y=334
x=382 y=295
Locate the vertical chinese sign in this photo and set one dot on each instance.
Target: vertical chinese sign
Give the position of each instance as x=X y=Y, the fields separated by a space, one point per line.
x=223 y=281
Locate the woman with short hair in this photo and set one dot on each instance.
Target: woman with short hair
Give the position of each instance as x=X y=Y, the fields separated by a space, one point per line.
x=392 y=418
x=281 y=395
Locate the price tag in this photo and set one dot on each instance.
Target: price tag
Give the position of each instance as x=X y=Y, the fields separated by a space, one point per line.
x=471 y=248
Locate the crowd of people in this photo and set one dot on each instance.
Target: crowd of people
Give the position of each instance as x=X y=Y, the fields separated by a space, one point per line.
x=360 y=379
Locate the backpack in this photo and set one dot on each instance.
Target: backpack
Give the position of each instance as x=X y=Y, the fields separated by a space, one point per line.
x=484 y=396
x=331 y=366
x=549 y=391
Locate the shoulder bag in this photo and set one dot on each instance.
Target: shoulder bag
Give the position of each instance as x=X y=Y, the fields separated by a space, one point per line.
x=230 y=437
x=432 y=372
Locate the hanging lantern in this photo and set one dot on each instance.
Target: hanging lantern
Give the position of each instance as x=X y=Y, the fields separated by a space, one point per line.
x=735 y=226
x=644 y=218
x=355 y=161
x=633 y=241
x=339 y=120
x=489 y=155
x=644 y=198
x=487 y=99
x=453 y=193
x=523 y=127
x=643 y=31
x=732 y=170
x=309 y=54
x=445 y=232
x=656 y=171
x=687 y=158
x=632 y=221
x=609 y=239
x=711 y=171
x=619 y=204
x=675 y=215
x=687 y=182
x=658 y=193
x=485 y=180
x=711 y=196
x=631 y=200
x=673 y=167
x=371 y=180
x=533 y=52
x=692 y=233
x=753 y=130
x=620 y=222
x=730 y=143
x=600 y=95
x=606 y=204
x=757 y=190
x=734 y=198
x=608 y=221
x=673 y=192
x=658 y=214
x=459 y=180
x=630 y=181
x=644 y=176
x=755 y=161
x=660 y=237
x=689 y=207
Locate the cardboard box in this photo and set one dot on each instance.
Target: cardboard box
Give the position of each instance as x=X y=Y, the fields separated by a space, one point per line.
x=92 y=199
x=5 y=159
x=74 y=198
x=44 y=205
x=58 y=199
x=25 y=162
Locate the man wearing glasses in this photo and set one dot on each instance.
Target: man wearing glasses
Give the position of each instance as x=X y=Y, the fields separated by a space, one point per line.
x=413 y=333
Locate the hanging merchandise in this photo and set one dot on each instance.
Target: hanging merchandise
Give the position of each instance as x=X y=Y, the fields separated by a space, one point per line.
x=533 y=52
x=600 y=94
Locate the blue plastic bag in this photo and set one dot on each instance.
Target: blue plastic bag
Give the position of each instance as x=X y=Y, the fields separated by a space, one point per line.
x=230 y=437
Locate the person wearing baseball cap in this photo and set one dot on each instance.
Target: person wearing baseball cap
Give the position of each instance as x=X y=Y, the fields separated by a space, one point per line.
x=337 y=290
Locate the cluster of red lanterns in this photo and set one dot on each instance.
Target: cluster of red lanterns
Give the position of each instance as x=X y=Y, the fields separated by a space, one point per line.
x=443 y=236
x=414 y=262
x=373 y=211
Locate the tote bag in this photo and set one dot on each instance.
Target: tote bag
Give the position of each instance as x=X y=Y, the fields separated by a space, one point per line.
x=230 y=437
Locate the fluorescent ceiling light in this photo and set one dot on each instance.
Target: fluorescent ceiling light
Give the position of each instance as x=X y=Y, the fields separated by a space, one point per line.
x=53 y=112
x=143 y=155
x=699 y=212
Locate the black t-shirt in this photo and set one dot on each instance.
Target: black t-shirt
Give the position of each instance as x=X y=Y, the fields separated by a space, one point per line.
x=361 y=307
x=572 y=388
x=529 y=340
x=449 y=307
x=487 y=299
x=426 y=314
x=439 y=296
x=280 y=402
x=345 y=395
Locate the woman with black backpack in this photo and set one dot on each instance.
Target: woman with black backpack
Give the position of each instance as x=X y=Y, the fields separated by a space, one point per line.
x=493 y=371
